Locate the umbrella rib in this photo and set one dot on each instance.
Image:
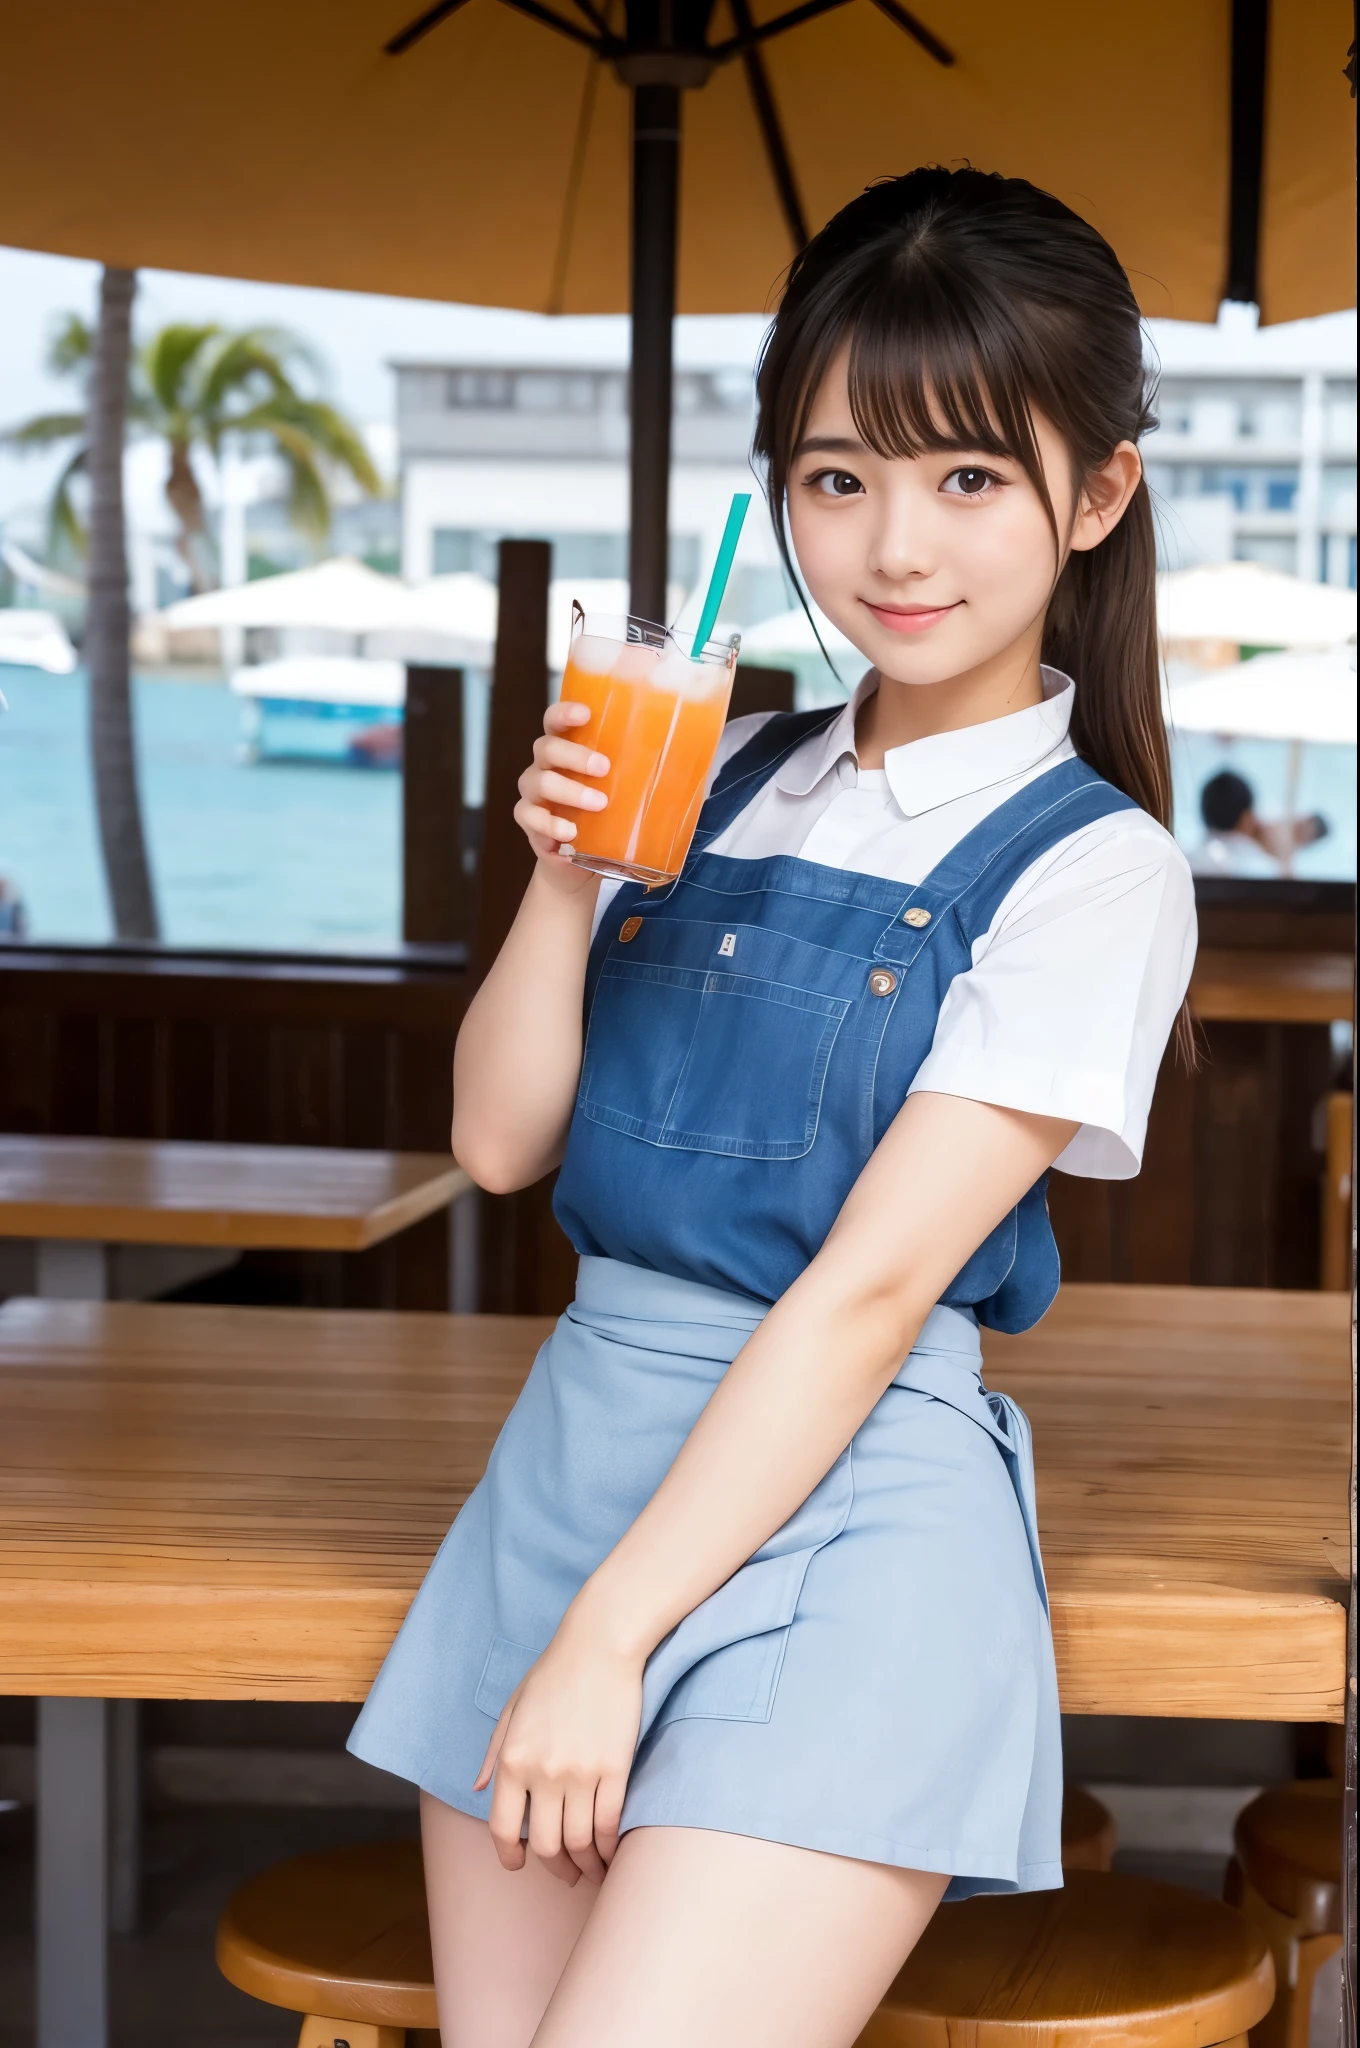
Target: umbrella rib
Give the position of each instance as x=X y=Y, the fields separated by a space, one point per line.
x=594 y=17
x=421 y=26
x=597 y=44
x=571 y=198
x=761 y=32
x=918 y=32
x=767 y=114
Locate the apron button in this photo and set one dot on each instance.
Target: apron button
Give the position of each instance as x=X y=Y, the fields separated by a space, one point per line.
x=916 y=918
x=629 y=929
x=883 y=981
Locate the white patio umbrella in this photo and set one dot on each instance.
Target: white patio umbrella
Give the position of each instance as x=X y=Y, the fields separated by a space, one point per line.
x=1252 y=606
x=791 y=634
x=339 y=596
x=451 y=619
x=461 y=607
x=1308 y=698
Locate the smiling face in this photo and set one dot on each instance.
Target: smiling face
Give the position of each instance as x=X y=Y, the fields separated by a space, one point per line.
x=940 y=565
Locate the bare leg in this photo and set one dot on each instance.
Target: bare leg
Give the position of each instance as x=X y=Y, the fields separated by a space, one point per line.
x=736 y=1943
x=500 y=1937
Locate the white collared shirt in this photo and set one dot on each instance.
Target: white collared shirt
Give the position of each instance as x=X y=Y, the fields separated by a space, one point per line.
x=1075 y=984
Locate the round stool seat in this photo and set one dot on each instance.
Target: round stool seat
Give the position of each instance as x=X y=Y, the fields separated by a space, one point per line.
x=1289 y=1845
x=343 y=1933
x=1106 y=1958
x=1089 y=1833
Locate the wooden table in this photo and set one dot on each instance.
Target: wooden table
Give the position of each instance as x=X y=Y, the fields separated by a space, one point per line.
x=239 y=1503
x=78 y=1196
x=135 y=1217
x=1241 y=985
x=223 y=1503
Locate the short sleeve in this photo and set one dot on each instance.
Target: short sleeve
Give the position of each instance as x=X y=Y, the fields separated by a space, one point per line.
x=731 y=740
x=1073 y=990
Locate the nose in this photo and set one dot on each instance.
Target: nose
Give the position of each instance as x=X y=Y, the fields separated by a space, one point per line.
x=901 y=548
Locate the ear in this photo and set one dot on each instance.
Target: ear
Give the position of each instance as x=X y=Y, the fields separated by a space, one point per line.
x=1105 y=496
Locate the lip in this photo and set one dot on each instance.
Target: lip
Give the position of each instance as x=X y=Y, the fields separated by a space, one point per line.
x=910 y=618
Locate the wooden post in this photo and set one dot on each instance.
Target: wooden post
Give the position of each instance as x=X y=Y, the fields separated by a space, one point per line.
x=527 y=1266
x=760 y=689
x=519 y=697
x=435 y=894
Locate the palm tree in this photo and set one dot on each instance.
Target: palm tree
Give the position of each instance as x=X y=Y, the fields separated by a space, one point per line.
x=112 y=748
x=193 y=387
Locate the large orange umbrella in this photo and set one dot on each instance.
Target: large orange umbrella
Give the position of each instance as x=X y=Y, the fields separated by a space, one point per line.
x=480 y=150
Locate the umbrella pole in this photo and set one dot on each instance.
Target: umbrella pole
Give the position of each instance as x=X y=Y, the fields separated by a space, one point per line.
x=656 y=192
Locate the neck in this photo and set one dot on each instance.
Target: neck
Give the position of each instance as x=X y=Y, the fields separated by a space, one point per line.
x=898 y=713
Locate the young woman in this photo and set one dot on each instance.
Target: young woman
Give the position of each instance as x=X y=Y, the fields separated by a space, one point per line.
x=746 y=1624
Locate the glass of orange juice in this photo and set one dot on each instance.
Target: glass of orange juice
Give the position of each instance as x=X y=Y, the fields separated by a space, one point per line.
x=657 y=705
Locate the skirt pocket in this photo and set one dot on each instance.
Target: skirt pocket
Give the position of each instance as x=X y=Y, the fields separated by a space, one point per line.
x=723 y=1661
x=505 y=1665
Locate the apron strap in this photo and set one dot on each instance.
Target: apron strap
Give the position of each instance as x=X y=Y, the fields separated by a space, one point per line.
x=751 y=767
x=961 y=1388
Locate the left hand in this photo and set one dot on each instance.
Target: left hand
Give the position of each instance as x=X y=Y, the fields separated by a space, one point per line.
x=564 y=1745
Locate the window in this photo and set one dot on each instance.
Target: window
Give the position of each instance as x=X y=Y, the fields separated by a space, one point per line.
x=1338 y=492
x=588 y=555
x=1252 y=487
x=712 y=391
x=593 y=557
x=1340 y=412
x=478 y=390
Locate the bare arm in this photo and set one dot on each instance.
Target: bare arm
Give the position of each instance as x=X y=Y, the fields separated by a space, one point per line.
x=945 y=1174
x=518 y=1059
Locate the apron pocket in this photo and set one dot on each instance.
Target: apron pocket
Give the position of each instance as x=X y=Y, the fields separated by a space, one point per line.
x=733 y=1065
x=723 y=1661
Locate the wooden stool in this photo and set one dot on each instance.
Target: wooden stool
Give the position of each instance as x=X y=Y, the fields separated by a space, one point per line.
x=1286 y=1880
x=1109 y=1957
x=1089 y=1834
x=342 y=1938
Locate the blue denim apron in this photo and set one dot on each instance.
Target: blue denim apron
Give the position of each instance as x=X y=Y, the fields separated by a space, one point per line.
x=878 y=1680
x=754 y=1029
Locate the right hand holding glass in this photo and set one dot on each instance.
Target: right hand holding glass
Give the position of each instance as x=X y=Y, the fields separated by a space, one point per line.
x=548 y=787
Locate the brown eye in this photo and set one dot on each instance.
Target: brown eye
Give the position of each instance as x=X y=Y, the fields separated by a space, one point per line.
x=968 y=483
x=837 y=483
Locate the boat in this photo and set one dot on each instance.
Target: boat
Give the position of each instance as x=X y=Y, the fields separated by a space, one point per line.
x=343 y=709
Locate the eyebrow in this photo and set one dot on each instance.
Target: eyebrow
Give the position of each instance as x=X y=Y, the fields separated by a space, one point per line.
x=829 y=444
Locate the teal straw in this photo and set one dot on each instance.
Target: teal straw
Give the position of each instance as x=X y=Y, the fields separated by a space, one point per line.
x=722 y=569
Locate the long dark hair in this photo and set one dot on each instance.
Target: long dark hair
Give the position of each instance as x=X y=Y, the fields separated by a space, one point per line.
x=970 y=302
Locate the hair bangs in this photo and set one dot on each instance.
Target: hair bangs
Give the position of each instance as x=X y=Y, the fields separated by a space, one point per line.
x=925 y=376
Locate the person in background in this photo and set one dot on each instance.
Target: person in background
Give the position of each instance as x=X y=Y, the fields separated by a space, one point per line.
x=13 y=921
x=1238 y=842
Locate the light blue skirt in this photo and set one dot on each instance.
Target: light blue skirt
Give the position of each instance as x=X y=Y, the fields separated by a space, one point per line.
x=876 y=1682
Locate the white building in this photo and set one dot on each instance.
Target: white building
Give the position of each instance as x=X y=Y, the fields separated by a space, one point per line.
x=1254 y=459
x=538 y=448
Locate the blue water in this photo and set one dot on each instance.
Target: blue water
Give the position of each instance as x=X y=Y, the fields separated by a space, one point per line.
x=303 y=857
x=283 y=855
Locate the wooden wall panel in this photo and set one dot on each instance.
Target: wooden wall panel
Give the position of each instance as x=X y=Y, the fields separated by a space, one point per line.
x=116 y=1044
x=308 y=1052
